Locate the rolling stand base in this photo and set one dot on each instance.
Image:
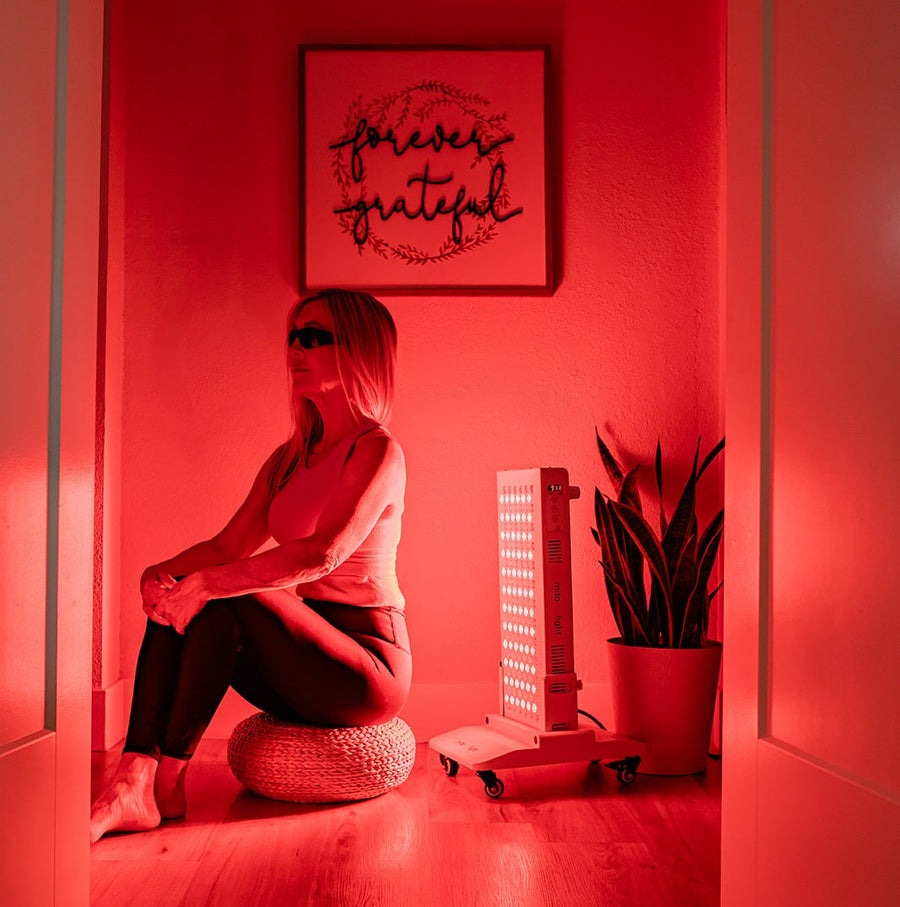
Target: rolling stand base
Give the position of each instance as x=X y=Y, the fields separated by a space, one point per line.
x=502 y=743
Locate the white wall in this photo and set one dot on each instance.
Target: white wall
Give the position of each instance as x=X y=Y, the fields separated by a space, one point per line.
x=628 y=341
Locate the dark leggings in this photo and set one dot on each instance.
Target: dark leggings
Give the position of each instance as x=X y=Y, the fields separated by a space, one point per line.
x=317 y=663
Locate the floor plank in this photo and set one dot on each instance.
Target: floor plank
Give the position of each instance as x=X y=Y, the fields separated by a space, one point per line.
x=565 y=835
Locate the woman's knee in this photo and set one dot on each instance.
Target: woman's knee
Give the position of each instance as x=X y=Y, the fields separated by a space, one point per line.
x=217 y=618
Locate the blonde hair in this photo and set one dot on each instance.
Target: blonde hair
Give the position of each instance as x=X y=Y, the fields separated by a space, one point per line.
x=366 y=347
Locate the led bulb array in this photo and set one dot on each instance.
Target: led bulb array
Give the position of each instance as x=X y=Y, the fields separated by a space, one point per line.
x=517 y=601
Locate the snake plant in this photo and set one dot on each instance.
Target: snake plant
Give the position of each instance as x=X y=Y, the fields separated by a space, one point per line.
x=679 y=558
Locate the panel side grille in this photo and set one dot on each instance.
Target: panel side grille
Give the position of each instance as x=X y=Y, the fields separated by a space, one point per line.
x=558 y=660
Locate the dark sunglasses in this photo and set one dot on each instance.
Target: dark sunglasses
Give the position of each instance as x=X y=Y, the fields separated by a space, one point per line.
x=310 y=337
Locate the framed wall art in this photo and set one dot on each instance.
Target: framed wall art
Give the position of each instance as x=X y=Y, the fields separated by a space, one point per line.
x=424 y=168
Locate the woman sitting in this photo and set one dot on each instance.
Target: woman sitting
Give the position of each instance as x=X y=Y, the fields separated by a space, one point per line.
x=311 y=630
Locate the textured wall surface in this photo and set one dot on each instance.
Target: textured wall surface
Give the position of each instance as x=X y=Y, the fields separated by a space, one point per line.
x=629 y=341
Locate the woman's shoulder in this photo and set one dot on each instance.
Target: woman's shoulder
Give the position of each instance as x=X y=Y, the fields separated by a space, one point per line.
x=376 y=443
x=374 y=430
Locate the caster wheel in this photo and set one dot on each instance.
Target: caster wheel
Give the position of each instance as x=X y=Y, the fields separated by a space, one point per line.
x=493 y=786
x=451 y=766
x=626 y=769
x=494 y=789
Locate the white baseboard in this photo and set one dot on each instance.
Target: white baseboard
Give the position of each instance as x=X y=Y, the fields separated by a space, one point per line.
x=432 y=708
x=109 y=714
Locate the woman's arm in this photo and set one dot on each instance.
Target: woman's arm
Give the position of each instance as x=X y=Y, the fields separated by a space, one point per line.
x=372 y=480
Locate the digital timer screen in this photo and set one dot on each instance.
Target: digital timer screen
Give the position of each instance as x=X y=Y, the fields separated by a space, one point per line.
x=554 y=488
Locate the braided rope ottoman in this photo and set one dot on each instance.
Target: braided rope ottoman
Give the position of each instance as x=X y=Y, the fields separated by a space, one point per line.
x=320 y=765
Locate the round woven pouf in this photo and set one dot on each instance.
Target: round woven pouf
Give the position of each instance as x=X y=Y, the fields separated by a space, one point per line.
x=320 y=765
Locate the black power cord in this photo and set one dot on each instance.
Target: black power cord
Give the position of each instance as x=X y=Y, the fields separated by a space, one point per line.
x=589 y=715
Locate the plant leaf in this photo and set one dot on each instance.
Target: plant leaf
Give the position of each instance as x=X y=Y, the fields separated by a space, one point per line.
x=663 y=523
x=659 y=484
x=683 y=522
x=693 y=630
x=613 y=470
x=657 y=619
x=618 y=554
x=627 y=553
x=711 y=456
x=645 y=539
x=628 y=492
x=612 y=567
x=634 y=611
x=629 y=495
x=680 y=564
x=683 y=582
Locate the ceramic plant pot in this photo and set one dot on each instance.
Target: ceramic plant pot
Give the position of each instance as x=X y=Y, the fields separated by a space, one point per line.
x=666 y=698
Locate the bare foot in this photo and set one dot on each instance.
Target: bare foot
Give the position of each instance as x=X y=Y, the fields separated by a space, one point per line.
x=128 y=803
x=169 y=787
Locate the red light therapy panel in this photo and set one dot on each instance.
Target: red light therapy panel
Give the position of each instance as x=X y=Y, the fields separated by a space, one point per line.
x=538 y=686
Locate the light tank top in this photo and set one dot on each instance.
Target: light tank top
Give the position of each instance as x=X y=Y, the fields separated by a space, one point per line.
x=368 y=576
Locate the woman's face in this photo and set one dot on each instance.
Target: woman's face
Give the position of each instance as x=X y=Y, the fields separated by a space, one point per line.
x=314 y=371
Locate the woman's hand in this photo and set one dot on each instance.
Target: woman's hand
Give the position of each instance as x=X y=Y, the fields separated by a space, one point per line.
x=179 y=604
x=155 y=582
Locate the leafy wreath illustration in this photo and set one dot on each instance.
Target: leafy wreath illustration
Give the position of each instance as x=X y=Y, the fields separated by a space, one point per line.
x=416 y=103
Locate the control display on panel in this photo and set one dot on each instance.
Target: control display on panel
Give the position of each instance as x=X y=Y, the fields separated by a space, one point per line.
x=557 y=508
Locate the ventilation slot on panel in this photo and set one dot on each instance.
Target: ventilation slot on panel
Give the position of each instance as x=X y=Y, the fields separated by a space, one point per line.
x=558 y=660
x=554 y=551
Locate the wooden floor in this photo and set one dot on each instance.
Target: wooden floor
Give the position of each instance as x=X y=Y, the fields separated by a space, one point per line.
x=565 y=835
